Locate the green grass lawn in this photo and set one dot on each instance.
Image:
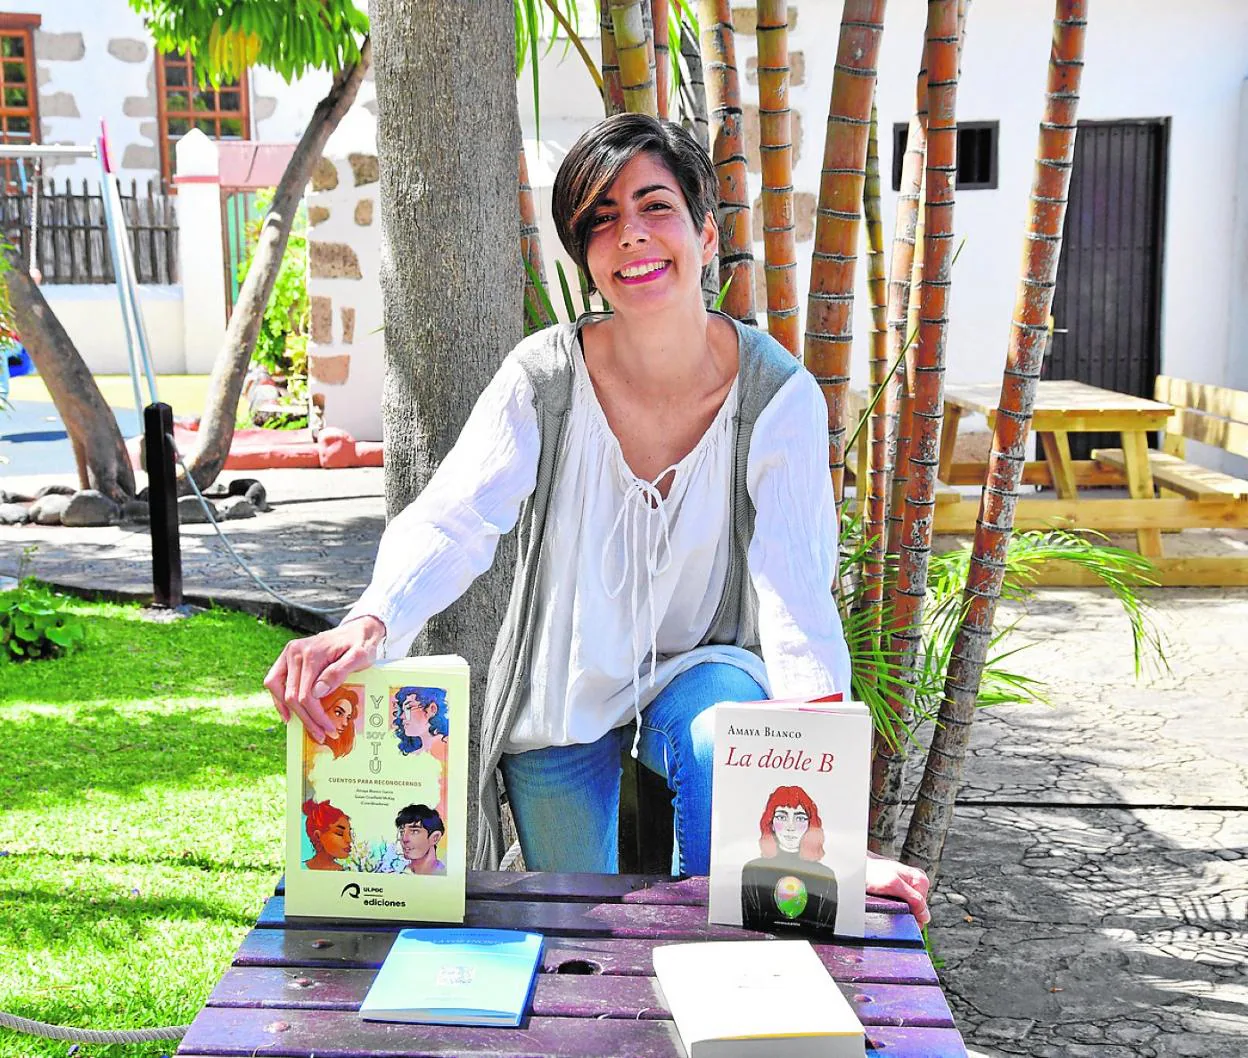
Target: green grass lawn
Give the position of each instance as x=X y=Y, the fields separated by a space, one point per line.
x=141 y=787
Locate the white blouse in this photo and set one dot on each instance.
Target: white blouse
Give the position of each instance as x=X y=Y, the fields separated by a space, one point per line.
x=629 y=581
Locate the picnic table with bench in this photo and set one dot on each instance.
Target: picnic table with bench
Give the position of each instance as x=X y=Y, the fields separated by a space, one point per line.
x=1190 y=497
x=295 y=986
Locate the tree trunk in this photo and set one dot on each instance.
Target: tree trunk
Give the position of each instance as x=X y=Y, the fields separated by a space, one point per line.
x=634 y=48
x=910 y=594
x=99 y=450
x=942 y=777
x=659 y=15
x=693 y=93
x=612 y=89
x=873 y=493
x=536 y=316
x=830 y=308
x=776 y=150
x=225 y=386
x=723 y=92
x=448 y=136
x=693 y=89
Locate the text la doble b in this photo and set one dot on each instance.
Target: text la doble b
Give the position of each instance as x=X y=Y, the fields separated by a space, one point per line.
x=773 y=759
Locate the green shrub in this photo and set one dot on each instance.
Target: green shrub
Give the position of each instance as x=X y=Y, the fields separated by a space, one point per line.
x=34 y=623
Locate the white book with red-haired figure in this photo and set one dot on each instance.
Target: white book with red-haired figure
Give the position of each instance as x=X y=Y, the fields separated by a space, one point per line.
x=789 y=816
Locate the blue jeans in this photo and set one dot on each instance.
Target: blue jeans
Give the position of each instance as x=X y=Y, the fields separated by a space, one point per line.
x=566 y=799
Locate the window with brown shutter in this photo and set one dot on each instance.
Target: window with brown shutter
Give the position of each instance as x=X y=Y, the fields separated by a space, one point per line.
x=181 y=104
x=19 y=97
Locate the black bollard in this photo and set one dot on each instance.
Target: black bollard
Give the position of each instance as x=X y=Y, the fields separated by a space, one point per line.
x=162 y=499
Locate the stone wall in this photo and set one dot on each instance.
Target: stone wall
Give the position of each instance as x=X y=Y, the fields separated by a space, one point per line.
x=345 y=361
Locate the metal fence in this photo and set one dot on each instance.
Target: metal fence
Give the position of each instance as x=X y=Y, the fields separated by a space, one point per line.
x=73 y=237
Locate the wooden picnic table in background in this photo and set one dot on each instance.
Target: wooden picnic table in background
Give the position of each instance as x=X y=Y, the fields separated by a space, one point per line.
x=295 y=986
x=1062 y=408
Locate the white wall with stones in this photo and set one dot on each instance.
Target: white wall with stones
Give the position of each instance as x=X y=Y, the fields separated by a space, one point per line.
x=345 y=346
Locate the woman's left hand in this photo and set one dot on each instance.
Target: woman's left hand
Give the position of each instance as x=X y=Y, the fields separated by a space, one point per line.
x=887 y=877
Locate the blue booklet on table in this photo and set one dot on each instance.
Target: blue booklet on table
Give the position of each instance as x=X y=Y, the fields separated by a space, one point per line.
x=455 y=977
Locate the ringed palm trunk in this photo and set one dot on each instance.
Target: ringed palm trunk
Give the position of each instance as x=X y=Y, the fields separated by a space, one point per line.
x=906 y=612
x=634 y=48
x=660 y=12
x=723 y=97
x=612 y=89
x=694 y=89
x=776 y=149
x=887 y=758
x=225 y=384
x=100 y=452
x=942 y=776
x=872 y=493
x=531 y=252
x=829 y=311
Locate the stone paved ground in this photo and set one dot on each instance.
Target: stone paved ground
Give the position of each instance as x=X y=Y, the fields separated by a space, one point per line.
x=1094 y=894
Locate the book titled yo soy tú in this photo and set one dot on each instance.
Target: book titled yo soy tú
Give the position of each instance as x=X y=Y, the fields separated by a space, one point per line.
x=789 y=816
x=375 y=815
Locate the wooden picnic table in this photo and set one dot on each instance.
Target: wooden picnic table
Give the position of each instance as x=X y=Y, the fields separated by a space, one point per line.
x=295 y=986
x=1062 y=408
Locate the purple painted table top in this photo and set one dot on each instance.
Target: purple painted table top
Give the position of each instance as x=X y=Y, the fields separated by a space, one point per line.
x=295 y=986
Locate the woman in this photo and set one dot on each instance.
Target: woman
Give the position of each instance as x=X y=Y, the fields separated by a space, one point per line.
x=341 y=708
x=788 y=885
x=329 y=830
x=419 y=720
x=667 y=468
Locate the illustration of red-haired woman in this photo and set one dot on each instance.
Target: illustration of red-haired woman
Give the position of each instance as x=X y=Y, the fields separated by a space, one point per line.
x=329 y=830
x=787 y=886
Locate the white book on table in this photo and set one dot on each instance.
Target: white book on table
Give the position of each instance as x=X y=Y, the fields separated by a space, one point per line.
x=737 y=999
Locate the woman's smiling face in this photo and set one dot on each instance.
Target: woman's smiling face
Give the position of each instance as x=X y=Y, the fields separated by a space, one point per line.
x=644 y=248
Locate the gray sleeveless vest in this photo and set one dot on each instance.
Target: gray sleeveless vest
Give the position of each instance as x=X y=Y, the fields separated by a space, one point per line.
x=546 y=358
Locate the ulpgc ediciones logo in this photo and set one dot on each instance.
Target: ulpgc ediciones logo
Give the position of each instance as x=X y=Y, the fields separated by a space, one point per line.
x=352 y=890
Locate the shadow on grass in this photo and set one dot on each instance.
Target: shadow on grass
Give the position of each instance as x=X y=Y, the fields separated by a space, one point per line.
x=73 y=917
x=45 y=760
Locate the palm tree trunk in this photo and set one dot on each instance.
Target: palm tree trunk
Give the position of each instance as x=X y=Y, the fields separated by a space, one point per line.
x=942 y=777
x=612 y=89
x=694 y=91
x=660 y=13
x=929 y=360
x=531 y=252
x=829 y=313
x=888 y=759
x=872 y=493
x=635 y=50
x=776 y=149
x=103 y=463
x=225 y=385
x=723 y=91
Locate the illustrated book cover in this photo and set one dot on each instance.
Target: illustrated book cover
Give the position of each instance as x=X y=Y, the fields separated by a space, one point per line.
x=789 y=816
x=375 y=816
x=455 y=977
x=765 y=998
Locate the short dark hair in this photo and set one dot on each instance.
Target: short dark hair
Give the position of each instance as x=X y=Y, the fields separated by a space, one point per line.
x=421 y=814
x=595 y=160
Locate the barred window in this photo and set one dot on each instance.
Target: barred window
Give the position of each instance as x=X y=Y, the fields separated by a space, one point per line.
x=19 y=98
x=220 y=113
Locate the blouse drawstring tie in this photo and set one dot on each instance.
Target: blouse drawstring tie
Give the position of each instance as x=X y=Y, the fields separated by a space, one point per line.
x=641 y=504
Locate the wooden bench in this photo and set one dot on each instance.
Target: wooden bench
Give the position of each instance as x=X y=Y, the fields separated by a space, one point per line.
x=1211 y=415
x=1195 y=496
x=295 y=986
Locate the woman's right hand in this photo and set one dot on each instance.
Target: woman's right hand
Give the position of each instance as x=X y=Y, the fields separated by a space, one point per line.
x=308 y=669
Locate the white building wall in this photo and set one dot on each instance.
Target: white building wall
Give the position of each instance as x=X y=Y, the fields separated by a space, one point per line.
x=91 y=314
